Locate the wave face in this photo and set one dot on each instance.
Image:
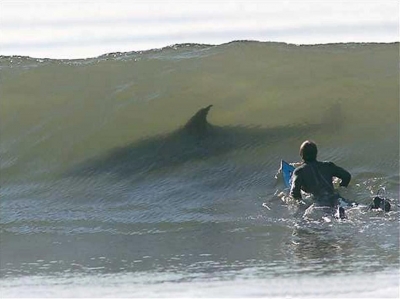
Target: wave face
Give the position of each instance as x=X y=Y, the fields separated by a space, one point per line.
x=98 y=173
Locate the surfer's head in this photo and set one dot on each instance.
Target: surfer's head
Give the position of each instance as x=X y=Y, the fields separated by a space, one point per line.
x=308 y=151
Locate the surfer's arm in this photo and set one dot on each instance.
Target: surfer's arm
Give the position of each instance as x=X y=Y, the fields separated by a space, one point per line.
x=342 y=174
x=295 y=189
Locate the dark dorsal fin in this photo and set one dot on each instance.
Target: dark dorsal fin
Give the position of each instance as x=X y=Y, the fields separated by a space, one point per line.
x=197 y=124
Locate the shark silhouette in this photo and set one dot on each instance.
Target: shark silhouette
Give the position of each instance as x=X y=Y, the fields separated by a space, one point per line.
x=196 y=140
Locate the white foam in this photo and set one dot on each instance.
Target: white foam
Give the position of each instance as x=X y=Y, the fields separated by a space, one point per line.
x=371 y=285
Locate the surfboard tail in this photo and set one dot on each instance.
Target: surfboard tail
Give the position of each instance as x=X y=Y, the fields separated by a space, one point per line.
x=287 y=172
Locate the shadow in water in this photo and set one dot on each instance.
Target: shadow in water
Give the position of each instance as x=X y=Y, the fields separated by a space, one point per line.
x=197 y=140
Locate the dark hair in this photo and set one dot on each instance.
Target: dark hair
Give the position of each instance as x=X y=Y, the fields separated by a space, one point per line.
x=308 y=151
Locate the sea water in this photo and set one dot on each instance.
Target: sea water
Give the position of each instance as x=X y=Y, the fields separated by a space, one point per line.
x=103 y=194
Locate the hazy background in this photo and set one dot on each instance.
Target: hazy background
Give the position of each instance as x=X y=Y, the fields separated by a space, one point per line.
x=80 y=29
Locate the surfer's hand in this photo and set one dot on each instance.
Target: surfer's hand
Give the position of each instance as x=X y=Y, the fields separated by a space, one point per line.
x=296 y=164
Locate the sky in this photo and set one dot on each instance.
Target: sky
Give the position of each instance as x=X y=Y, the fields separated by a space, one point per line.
x=84 y=28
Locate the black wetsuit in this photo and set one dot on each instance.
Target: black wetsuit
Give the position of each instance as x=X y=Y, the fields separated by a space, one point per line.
x=316 y=178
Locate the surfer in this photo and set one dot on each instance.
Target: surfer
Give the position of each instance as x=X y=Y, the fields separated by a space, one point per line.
x=315 y=177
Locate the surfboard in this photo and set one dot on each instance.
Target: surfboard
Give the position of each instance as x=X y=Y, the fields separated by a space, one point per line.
x=287 y=171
